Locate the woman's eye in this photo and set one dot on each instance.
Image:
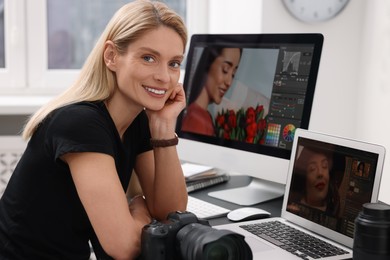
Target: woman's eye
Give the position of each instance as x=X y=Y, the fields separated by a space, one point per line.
x=325 y=165
x=175 y=64
x=148 y=58
x=225 y=70
x=311 y=169
x=228 y=70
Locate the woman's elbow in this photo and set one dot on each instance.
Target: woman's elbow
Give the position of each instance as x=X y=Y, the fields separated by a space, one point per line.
x=122 y=251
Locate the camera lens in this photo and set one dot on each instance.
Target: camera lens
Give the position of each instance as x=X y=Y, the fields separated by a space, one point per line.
x=201 y=242
x=372 y=232
x=216 y=252
x=229 y=246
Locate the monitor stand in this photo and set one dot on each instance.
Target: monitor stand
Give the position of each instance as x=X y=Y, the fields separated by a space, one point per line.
x=255 y=192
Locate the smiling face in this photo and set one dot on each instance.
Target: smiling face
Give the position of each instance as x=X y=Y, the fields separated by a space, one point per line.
x=317 y=179
x=149 y=70
x=221 y=74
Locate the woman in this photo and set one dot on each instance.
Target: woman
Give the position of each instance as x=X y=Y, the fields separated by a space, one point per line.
x=210 y=85
x=119 y=116
x=317 y=182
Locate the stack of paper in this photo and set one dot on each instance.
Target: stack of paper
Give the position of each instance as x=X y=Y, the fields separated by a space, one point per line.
x=201 y=176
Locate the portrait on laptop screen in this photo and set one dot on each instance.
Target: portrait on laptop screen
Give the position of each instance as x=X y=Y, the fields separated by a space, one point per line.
x=330 y=183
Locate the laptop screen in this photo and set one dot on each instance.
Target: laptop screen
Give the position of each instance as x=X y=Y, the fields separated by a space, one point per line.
x=330 y=183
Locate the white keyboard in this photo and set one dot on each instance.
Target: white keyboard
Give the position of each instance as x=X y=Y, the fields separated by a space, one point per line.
x=204 y=209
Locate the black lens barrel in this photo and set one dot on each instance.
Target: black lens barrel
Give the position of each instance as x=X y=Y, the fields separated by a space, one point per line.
x=201 y=242
x=372 y=233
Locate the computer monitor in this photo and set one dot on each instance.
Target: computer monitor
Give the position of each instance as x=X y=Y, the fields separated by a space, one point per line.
x=246 y=94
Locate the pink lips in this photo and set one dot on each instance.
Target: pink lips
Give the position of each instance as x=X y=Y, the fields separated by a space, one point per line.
x=320 y=186
x=222 y=92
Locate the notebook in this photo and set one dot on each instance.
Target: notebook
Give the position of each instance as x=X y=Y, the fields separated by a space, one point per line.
x=329 y=179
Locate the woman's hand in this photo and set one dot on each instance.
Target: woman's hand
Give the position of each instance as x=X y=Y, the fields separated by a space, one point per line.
x=176 y=101
x=165 y=119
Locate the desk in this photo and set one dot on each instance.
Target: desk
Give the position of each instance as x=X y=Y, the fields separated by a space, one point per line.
x=273 y=206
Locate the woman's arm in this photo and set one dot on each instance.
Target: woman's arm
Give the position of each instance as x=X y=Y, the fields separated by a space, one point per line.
x=117 y=225
x=134 y=187
x=162 y=181
x=159 y=171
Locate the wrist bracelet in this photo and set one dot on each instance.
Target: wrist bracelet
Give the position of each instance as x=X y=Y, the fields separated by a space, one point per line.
x=164 y=142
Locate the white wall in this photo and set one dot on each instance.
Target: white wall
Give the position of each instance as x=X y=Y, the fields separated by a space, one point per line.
x=235 y=16
x=372 y=117
x=334 y=107
x=352 y=96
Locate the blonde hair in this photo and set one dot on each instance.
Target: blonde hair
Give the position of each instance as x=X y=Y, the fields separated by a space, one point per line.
x=95 y=81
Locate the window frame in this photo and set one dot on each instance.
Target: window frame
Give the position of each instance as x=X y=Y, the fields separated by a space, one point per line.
x=40 y=78
x=26 y=42
x=13 y=76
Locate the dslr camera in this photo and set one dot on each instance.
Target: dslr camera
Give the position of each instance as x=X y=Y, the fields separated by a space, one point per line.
x=185 y=237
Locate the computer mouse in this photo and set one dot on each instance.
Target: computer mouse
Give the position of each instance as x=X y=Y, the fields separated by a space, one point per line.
x=247 y=213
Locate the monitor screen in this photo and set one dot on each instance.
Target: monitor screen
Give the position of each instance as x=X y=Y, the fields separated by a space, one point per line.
x=249 y=92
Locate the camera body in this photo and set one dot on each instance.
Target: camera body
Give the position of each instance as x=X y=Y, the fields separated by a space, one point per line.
x=158 y=238
x=182 y=236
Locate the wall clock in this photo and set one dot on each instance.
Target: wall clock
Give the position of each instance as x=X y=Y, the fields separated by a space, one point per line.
x=312 y=11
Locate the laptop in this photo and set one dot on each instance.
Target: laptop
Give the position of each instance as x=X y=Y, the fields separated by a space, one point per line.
x=329 y=179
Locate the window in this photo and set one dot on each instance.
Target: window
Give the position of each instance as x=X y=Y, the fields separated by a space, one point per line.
x=72 y=32
x=12 y=45
x=49 y=40
x=73 y=26
x=2 y=47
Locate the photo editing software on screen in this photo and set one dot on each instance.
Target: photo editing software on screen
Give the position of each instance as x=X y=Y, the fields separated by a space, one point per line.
x=330 y=183
x=250 y=92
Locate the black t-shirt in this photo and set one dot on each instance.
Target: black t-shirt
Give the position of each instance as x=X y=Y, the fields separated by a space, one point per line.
x=41 y=215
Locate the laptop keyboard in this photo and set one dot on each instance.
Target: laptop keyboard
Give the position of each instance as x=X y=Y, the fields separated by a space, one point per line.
x=295 y=241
